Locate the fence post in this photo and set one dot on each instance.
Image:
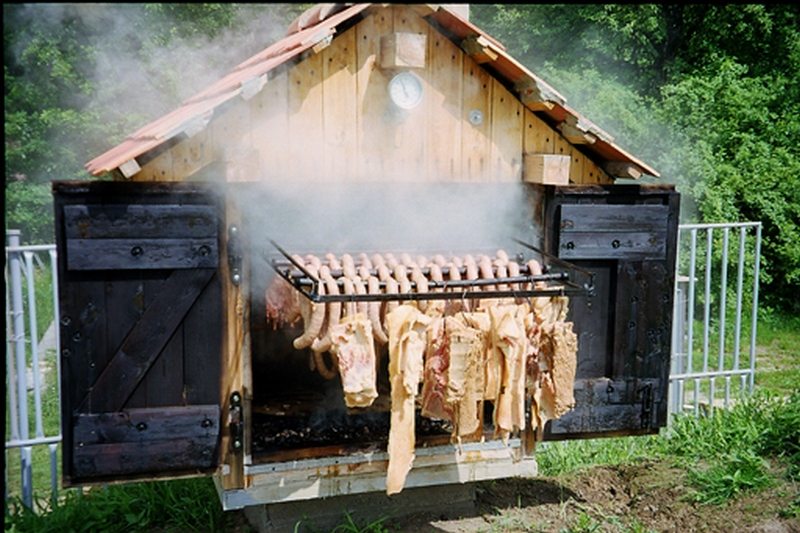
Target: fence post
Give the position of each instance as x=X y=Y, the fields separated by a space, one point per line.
x=18 y=314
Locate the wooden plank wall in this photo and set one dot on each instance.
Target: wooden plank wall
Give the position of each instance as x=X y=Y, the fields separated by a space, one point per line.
x=329 y=118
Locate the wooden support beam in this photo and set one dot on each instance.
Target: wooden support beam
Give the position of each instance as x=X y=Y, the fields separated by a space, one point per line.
x=129 y=168
x=479 y=49
x=585 y=125
x=538 y=96
x=551 y=169
x=622 y=169
x=253 y=86
x=575 y=136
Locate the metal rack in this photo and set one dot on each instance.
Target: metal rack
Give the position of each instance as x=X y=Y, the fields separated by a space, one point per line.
x=557 y=271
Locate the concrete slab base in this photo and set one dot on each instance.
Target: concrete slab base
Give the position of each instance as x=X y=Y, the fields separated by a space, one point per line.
x=440 y=502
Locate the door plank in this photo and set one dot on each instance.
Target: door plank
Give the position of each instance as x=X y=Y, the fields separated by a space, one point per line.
x=146 y=341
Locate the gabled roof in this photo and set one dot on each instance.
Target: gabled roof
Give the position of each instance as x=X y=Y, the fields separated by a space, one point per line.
x=320 y=23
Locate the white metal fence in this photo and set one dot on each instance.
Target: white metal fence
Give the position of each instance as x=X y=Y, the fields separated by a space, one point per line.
x=32 y=366
x=32 y=362
x=716 y=283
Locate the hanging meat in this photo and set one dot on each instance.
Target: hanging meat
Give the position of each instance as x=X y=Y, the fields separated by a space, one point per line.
x=447 y=357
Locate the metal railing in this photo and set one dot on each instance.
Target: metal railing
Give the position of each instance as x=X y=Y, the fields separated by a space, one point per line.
x=705 y=352
x=29 y=363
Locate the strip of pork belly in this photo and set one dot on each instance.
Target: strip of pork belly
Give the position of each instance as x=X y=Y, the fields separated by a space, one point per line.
x=559 y=347
x=519 y=371
x=465 y=375
x=434 y=403
x=354 y=347
x=407 y=326
x=509 y=341
x=533 y=330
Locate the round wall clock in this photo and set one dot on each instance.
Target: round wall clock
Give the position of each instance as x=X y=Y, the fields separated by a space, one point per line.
x=405 y=90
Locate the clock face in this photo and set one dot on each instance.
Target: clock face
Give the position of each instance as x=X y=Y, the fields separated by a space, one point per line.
x=405 y=90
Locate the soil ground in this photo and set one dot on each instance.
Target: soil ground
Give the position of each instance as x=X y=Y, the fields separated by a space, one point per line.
x=651 y=496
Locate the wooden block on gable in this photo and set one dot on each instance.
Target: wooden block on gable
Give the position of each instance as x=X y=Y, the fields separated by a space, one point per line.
x=403 y=50
x=550 y=169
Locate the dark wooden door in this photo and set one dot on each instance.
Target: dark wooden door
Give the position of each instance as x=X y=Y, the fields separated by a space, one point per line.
x=141 y=320
x=627 y=236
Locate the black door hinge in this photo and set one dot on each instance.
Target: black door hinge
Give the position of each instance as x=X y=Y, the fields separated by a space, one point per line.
x=236 y=422
x=648 y=397
x=235 y=255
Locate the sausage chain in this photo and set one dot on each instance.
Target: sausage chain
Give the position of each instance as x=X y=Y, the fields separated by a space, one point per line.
x=386 y=274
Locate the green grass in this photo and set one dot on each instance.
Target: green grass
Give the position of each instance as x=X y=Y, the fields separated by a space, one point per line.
x=177 y=505
x=725 y=454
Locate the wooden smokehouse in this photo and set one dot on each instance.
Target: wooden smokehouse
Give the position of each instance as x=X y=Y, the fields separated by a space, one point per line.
x=369 y=130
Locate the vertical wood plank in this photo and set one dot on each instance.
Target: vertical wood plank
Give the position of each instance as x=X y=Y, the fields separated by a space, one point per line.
x=407 y=154
x=85 y=338
x=165 y=377
x=270 y=123
x=202 y=334
x=235 y=321
x=445 y=117
x=507 y=126
x=339 y=107
x=190 y=155
x=538 y=137
x=157 y=169
x=126 y=305
x=373 y=100
x=576 y=166
x=594 y=174
x=475 y=138
x=305 y=119
x=560 y=145
x=231 y=133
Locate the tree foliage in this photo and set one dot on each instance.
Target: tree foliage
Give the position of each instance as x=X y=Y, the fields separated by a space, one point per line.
x=706 y=93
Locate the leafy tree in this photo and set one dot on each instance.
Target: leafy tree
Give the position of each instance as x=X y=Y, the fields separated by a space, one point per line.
x=67 y=68
x=707 y=93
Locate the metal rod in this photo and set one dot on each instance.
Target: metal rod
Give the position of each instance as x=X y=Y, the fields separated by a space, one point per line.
x=720 y=225
x=34 y=329
x=723 y=298
x=710 y=373
x=29 y=247
x=754 y=312
x=559 y=261
x=57 y=326
x=707 y=311
x=561 y=276
x=737 y=338
x=33 y=442
x=690 y=318
x=10 y=367
x=463 y=295
x=53 y=474
x=677 y=329
x=707 y=299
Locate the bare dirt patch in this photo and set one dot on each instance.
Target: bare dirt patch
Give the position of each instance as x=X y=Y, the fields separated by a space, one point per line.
x=651 y=496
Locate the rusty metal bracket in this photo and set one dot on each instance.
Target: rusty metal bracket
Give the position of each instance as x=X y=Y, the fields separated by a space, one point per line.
x=236 y=422
x=235 y=255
